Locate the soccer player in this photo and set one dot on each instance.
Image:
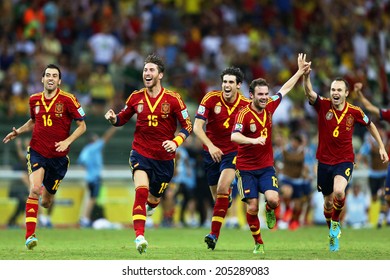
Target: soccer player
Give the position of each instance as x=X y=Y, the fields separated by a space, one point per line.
x=153 y=150
x=52 y=112
x=382 y=114
x=255 y=161
x=335 y=154
x=216 y=114
x=91 y=158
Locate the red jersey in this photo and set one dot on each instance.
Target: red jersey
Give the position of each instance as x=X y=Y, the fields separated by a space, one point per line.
x=220 y=117
x=385 y=114
x=335 y=129
x=53 y=118
x=252 y=124
x=157 y=120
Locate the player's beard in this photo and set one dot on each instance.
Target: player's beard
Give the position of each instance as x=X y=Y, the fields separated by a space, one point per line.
x=51 y=88
x=152 y=83
x=258 y=105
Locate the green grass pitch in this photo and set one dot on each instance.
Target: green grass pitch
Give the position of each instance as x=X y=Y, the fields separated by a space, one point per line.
x=310 y=243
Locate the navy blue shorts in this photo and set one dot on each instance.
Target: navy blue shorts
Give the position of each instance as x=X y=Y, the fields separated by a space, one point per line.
x=307 y=190
x=252 y=182
x=213 y=169
x=94 y=187
x=55 y=168
x=160 y=172
x=326 y=174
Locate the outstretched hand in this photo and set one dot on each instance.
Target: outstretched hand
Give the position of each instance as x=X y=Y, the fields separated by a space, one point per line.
x=10 y=136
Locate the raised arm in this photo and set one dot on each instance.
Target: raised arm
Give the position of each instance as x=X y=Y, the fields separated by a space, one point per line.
x=303 y=66
x=311 y=95
x=357 y=87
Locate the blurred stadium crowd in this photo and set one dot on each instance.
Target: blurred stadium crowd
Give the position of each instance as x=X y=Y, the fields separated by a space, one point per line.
x=100 y=45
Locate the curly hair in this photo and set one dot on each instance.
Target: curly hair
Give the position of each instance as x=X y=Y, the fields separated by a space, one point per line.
x=234 y=71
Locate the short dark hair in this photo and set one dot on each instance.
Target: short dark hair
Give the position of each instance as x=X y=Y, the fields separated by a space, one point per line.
x=339 y=79
x=155 y=59
x=52 y=66
x=234 y=71
x=257 y=82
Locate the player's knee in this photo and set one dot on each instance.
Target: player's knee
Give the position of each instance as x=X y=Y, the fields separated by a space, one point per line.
x=253 y=208
x=46 y=203
x=273 y=202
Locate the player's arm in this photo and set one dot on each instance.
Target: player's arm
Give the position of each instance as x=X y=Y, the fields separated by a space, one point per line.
x=119 y=119
x=215 y=152
x=123 y=116
x=375 y=133
x=186 y=129
x=311 y=95
x=357 y=87
x=63 y=145
x=239 y=138
x=303 y=66
x=28 y=126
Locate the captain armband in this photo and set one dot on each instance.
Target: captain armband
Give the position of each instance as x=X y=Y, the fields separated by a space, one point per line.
x=178 y=140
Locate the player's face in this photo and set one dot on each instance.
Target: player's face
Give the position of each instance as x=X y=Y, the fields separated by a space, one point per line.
x=230 y=87
x=260 y=97
x=151 y=76
x=51 y=80
x=338 y=93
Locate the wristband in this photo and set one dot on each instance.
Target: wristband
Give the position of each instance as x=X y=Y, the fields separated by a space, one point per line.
x=178 y=140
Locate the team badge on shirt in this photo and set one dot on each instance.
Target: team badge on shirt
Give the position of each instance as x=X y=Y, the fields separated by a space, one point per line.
x=59 y=109
x=140 y=107
x=350 y=121
x=252 y=127
x=201 y=110
x=329 y=115
x=218 y=108
x=165 y=108
x=37 y=108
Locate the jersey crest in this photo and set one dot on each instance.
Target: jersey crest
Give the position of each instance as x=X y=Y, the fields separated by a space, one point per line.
x=165 y=108
x=59 y=109
x=37 y=107
x=140 y=106
x=252 y=126
x=329 y=115
x=350 y=122
x=218 y=108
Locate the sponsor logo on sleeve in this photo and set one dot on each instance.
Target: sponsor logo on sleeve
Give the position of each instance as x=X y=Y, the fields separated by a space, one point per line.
x=201 y=110
x=81 y=111
x=184 y=113
x=238 y=127
x=365 y=118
